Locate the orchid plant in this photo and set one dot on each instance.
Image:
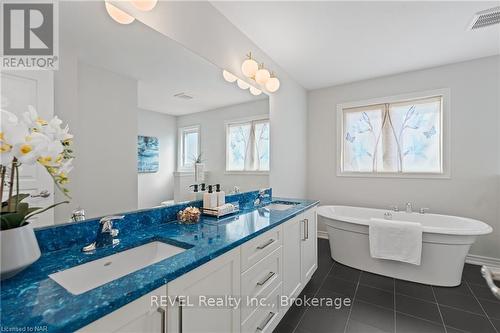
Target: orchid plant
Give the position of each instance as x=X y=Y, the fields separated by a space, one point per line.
x=31 y=140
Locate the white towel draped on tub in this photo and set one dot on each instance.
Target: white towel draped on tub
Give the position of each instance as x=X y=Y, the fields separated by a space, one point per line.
x=396 y=240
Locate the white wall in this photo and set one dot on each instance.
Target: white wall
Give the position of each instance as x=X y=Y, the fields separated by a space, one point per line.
x=472 y=191
x=201 y=28
x=155 y=187
x=213 y=142
x=101 y=109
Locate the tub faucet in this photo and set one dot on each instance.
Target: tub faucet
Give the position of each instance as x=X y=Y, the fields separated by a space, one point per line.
x=105 y=235
x=409 y=207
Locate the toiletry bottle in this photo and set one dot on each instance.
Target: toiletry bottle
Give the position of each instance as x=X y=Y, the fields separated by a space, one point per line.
x=210 y=198
x=221 y=195
x=196 y=194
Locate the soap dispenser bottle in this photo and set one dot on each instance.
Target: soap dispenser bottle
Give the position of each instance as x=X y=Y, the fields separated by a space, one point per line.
x=196 y=195
x=221 y=195
x=210 y=198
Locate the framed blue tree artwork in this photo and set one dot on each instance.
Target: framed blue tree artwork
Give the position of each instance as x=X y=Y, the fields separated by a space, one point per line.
x=147 y=154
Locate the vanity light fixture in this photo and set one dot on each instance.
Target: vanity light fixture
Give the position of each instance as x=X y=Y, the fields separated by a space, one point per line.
x=144 y=5
x=249 y=67
x=242 y=84
x=261 y=75
x=117 y=14
x=254 y=91
x=228 y=76
x=273 y=84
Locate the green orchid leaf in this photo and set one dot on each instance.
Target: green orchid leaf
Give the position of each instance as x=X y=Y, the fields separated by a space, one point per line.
x=11 y=220
x=22 y=196
x=45 y=209
x=22 y=208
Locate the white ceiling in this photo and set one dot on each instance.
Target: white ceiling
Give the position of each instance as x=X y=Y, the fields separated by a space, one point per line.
x=162 y=66
x=322 y=44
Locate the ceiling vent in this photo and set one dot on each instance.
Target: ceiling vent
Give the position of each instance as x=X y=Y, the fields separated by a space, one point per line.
x=485 y=18
x=183 y=96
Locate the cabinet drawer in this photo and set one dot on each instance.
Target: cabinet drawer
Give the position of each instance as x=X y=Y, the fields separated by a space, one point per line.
x=259 y=247
x=263 y=277
x=266 y=317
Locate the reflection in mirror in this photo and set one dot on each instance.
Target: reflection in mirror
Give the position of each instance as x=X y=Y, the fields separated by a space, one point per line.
x=149 y=117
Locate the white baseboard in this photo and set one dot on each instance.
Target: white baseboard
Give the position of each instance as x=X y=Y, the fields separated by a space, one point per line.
x=480 y=260
x=322 y=234
x=470 y=259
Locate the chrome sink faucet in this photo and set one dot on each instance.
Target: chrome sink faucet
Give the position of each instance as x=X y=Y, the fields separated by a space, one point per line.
x=262 y=195
x=105 y=235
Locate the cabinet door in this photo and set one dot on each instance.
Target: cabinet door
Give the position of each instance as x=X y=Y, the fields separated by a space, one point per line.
x=145 y=314
x=216 y=280
x=292 y=272
x=309 y=241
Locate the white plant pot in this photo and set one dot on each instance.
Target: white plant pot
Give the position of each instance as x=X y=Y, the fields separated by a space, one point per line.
x=19 y=250
x=199 y=172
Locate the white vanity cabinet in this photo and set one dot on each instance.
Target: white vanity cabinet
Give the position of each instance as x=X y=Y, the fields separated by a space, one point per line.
x=300 y=258
x=279 y=262
x=214 y=281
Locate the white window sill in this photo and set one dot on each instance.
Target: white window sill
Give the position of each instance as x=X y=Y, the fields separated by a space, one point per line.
x=249 y=173
x=395 y=175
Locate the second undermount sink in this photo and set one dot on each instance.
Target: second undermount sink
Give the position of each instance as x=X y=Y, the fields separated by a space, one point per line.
x=281 y=205
x=85 y=277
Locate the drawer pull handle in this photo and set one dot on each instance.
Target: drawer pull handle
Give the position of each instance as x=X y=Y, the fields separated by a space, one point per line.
x=266 y=321
x=181 y=303
x=270 y=275
x=307 y=228
x=163 y=319
x=263 y=246
x=304 y=238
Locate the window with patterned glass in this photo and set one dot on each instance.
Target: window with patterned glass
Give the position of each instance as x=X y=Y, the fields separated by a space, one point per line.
x=247 y=145
x=399 y=137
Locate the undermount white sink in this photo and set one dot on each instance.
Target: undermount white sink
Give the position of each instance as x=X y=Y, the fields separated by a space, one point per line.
x=85 y=277
x=281 y=205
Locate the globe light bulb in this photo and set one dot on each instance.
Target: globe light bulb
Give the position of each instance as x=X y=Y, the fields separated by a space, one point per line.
x=249 y=67
x=242 y=84
x=273 y=84
x=118 y=15
x=254 y=91
x=144 y=5
x=228 y=76
x=262 y=76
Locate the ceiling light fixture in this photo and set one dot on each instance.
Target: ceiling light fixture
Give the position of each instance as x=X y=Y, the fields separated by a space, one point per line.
x=273 y=84
x=144 y=5
x=254 y=91
x=228 y=76
x=118 y=15
x=262 y=75
x=242 y=84
x=251 y=69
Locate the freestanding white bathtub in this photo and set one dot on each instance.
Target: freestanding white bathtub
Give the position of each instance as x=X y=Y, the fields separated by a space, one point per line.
x=446 y=242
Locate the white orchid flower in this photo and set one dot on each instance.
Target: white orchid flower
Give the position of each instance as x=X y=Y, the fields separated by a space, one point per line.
x=12 y=133
x=50 y=153
x=32 y=120
x=54 y=130
x=30 y=149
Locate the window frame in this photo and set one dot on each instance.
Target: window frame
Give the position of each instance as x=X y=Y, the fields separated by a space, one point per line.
x=445 y=135
x=180 y=147
x=256 y=119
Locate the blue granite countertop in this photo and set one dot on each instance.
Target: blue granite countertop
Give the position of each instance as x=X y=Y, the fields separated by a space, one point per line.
x=33 y=300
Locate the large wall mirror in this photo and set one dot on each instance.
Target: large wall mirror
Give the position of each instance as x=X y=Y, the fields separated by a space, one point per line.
x=143 y=111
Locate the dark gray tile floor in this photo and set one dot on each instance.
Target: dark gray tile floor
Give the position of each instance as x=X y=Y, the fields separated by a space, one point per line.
x=382 y=304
